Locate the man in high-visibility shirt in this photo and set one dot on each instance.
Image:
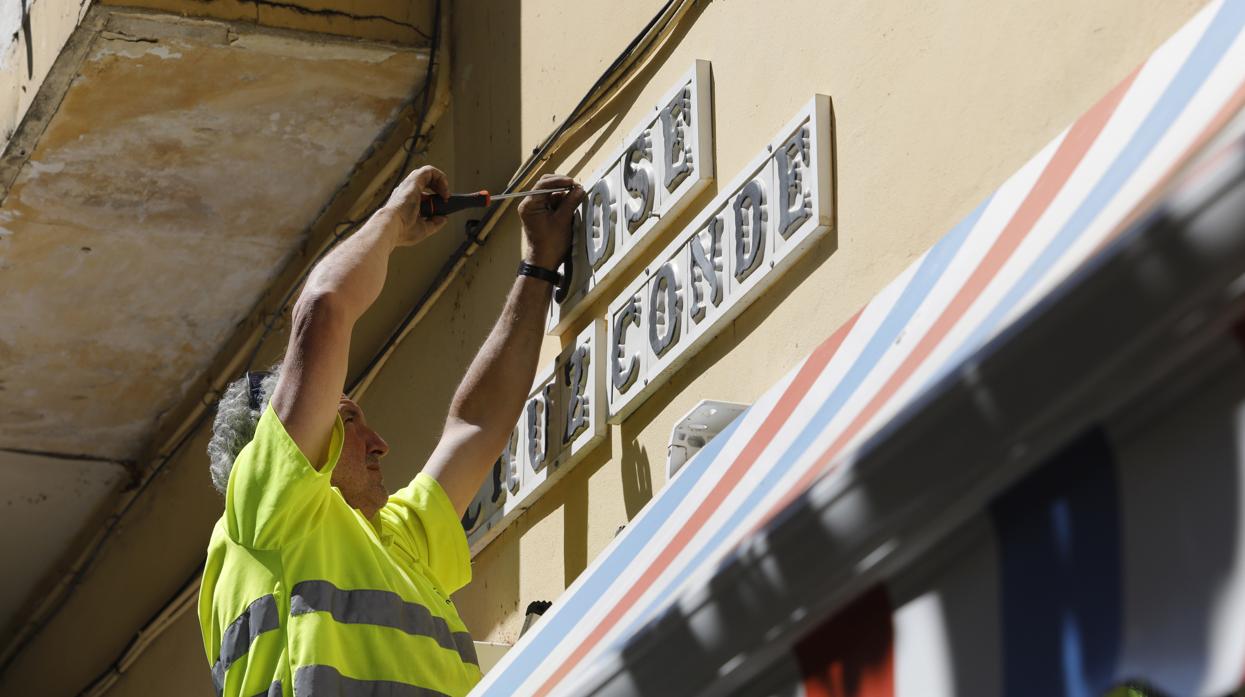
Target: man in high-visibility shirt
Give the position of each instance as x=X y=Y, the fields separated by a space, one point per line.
x=317 y=581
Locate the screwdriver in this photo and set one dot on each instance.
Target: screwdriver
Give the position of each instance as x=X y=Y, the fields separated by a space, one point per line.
x=432 y=206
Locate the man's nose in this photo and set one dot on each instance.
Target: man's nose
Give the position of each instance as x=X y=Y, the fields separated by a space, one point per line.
x=377 y=445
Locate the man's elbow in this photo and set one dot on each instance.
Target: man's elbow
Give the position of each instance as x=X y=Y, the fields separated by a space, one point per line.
x=490 y=417
x=476 y=433
x=319 y=312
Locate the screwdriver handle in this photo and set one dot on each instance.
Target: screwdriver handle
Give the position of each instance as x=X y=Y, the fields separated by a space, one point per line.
x=432 y=206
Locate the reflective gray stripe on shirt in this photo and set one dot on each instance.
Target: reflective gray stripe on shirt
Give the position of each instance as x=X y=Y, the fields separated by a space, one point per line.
x=274 y=690
x=259 y=617
x=380 y=608
x=310 y=681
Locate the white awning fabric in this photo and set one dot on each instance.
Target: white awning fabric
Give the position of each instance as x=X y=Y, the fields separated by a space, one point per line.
x=1020 y=469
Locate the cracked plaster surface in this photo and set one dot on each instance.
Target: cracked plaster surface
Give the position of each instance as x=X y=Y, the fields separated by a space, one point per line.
x=401 y=21
x=165 y=194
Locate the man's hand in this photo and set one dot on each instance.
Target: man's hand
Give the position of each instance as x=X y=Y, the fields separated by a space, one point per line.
x=547 y=221
x=403 y=205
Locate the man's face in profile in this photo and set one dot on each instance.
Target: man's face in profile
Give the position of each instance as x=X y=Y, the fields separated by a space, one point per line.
x=357 y=474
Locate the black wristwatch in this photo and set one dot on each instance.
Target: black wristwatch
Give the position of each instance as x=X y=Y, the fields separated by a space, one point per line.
x=526 y=269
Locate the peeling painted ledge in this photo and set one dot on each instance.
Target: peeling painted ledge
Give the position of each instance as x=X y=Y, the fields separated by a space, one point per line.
x=303 y=10
x=326 y=12
x=122 y=36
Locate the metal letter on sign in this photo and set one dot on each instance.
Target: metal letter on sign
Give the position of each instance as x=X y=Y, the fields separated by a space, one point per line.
x=795 y=204
x=676 y=122
x=486 y=507
x=583 y=391
x=705 y=267
x=537 y=413
x=600 y=219
x=665 y=309
x=511 y=465
x=750 y=219
x=638 y=181
x=575 y=383
x=626 y=365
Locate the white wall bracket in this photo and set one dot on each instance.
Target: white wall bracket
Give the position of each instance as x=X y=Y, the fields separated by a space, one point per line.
x=699 y=426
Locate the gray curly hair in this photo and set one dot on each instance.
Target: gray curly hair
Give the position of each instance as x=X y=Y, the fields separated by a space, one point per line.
x=235 y=423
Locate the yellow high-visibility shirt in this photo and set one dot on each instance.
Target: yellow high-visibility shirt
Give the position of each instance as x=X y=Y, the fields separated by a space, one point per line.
x=303 y=596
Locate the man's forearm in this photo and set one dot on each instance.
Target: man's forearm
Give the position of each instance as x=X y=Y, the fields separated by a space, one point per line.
x=491 y=395
x=497 y=382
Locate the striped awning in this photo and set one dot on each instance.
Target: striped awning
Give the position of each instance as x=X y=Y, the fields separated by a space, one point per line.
x=1007 y=500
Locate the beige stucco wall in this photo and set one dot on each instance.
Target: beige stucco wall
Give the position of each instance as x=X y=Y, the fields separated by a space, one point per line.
x=935 y=105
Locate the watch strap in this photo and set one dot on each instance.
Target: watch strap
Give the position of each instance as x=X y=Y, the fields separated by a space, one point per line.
x=526 y=269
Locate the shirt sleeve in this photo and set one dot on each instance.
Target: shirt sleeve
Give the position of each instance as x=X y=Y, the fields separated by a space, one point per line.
x=274 y=494
x=422 y=519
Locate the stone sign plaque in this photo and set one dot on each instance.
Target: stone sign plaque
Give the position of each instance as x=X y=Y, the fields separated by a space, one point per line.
x=562 y=419
x=658 y=171
x=741 y=243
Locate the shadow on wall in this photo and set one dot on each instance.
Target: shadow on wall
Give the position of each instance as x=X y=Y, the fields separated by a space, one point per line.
x=637 y=477
x=485 y=130
x=493 y=594
x=575 y=506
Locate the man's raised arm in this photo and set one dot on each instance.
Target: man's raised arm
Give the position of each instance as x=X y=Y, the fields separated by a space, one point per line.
x=339 y=290
x=487 y=403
